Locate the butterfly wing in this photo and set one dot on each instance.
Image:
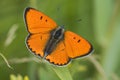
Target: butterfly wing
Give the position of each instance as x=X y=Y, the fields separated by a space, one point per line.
x=59 y=55
x=37 y=22
x=37 y=42
x=39 y=27
x=76 y=46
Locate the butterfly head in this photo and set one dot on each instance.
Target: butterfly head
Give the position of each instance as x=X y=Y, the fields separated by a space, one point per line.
x=58 y=33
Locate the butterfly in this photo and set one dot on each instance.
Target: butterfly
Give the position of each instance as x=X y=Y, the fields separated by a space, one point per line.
x=50 y=41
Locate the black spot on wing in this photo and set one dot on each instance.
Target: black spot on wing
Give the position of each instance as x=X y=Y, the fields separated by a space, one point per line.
x=41 y=37
x=38 y=54
x=41 y=17
x=78 y=41
x=74 y=37
x=46 y=20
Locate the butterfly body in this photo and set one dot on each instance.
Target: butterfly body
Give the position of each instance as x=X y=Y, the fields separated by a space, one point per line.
x=55 y=37
x=52 y=42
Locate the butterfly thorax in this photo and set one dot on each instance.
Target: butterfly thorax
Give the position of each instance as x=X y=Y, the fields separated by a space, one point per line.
x=55 y=37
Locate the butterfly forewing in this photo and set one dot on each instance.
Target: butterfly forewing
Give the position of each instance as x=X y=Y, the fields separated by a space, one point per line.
x=37 y=22
x=76 y=46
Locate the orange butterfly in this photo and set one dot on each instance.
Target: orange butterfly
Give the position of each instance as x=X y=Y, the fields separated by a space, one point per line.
x=52 y=42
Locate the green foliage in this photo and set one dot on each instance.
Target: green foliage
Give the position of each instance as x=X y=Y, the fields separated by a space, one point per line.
x=99 y=23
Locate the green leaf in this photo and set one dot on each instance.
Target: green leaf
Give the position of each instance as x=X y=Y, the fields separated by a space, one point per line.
x=63 y=72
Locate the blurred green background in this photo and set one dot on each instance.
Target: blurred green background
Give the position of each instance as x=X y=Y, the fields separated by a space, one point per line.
x=96 y=20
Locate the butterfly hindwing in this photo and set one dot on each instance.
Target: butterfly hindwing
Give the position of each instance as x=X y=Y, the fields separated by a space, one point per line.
x=37 y=22
x=59 y=55
x=37 y=42
x=76 y=46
